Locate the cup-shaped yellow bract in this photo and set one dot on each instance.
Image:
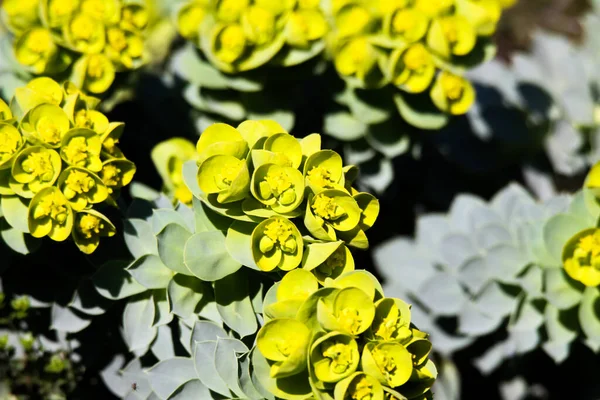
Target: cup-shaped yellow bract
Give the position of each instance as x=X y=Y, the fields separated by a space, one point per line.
x=420 y=382
x=334 y=356
x=116 y=173
x=168 y=158
x=188 y=19
x=353 y=20
x=21 y=14
x=305 y=26
x=228 y=42
x=36 y=50
x=57 y=13
x=38 y=91
x=452 y=94
x=47 y=124
x=285 y=146
x=324 y=170
x=84 y=34
x=226 y=176
x=388 y=362
x=81 y=187
x=50 y=215
x=482 y=14
x=11 y=142
x=295 y=287
x=5 y=112
x=81 y=148
x=135 y=16
x=359 y=386
x=351 y=312
x=419 y=347
x=111 y=134
x=94 y=73
x=391 y=321
x=277 y=243
x=258 y=24
x=285 y=343
x=434 y=8
x=221 y=139
x=407 y=24
x=231 y=10
x=281 y=189
x=451 y=35
x=412 y=68
x=329 y=211
x=328 y=260
x=35 y=168
x=592 y=181
x=89 y=226
x=581 y=257
x=356 y=57
x=83 y=117
x=125 y=48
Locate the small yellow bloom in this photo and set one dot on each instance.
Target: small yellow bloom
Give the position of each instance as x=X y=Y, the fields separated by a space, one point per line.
x=50 y=215
x=89 y=226
x=11 y=142
x=353 y=20
x=259 y=25
x=134 y=17
x=231 y=10
x=451 y=35
x=412 y=69
x=434 y=8
x=36 y=49
x=37 y=167
x=357 y=57
x=189 y=18
x=581 y=257
x=452 y=93
x=304 y=26
x=230 y=43
x=85 y=34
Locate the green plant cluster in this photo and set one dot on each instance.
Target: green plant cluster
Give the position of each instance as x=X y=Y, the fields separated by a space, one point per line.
x=514 y=265
x=86 y=41
x=258 y=305
x=59 y=161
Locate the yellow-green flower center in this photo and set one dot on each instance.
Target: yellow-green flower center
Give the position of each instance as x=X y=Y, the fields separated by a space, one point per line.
x=326 y=208
x=403 y=22
x=82 y=120
x=361 y=389
x=62 y=8
x=391 y=327
x=39 y=165
x=230 y=10
x=116 y=39
x=231 y=43
x=350 y=320
x=94 y=8
x=82 y=28
x=78 y=182
x=110 y=143
x=90 y=226
x=278 y=233
x=353 y=21
x=321 y=177
x=453 y=86
x=10 y=140
x=227 y=175
x=340 y=355
x=52 y=206
x=385 y=363
x=111 y=176
x=278 y=185
x=39 y=41
x=416 y=58
x=76 y=151
x=48 y=130
x=283 y=347
x=96 y=67
x=450 y=31
x=262 y=24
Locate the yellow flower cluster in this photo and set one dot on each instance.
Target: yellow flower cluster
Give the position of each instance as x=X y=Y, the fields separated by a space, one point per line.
x=96 y=38
x=59 y=156
x=240 y=35
x=411 y=44
x=346 y=339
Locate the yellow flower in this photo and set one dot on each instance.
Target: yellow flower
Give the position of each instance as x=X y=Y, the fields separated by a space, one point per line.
x=84 y=34
x=50 y=215
x=36 y=49
x=408 y=24
x=304 y=26
x=11 y=142
x=581 y=257
x=434 y=8
x=259 y=25
x=353 y=20
x=96 y=72
x=230 y=43
x=412 y=69
x=356 y=57
x=189 y=18
x=89 y=226
x=60 y=11
x=125 y=47
x=36 y=167
x=134 y=16
x=231 y=10
x=452 y=94
x=451 y=35
x=105 y=11
x=22 y=14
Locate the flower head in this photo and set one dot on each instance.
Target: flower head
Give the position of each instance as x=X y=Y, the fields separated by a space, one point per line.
x=581 y=257
x=50 y=215
x=277 y=243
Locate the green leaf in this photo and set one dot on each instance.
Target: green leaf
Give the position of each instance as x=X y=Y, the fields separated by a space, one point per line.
x=561 y=291
x=344 y=126
x=442 y=294
x=234 y=303
x=494 y=301
x=88 y=301
x=171 y=244
x=162 y=316
x=557 y=232
x=150 y=271
x=239 y=243
x=206 y=219
x=185 y=292
x=163 y=347
x=206 y=256
x=505 y=262
x=204 y=361
x=139 y=238
x=295 y=387
x=191 y=390
x=112 y=378
x=188 y=64
x=15 y=211
x=589 y=313
x=558 y=325
x=207 y=331
x=475 y=321
x=65 y=320
x=114 y=282
x=18 y=241
x=424 y=117
x=168 y=375
x=163 y=217
x=246 y=383
x=138 y=318
x=227 y=352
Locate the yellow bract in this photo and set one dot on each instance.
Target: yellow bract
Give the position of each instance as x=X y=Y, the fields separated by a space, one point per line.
x=582 y=262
